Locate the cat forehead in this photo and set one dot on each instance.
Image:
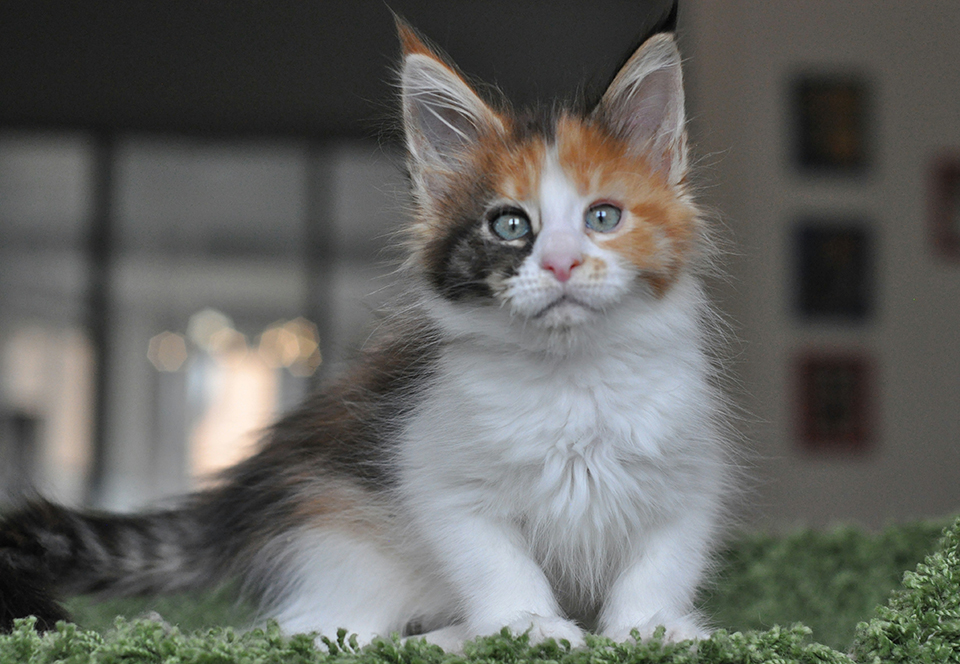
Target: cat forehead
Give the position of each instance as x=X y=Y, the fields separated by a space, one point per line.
x=593 y=161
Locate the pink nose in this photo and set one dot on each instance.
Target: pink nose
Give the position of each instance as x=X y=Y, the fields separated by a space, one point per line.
x=561 y=265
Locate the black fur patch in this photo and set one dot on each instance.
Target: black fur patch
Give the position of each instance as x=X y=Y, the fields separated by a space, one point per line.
x=22 y=596
x=50 y=547
x=349 y=427
x=459 y=261
x=472 y=257
x=538 y=122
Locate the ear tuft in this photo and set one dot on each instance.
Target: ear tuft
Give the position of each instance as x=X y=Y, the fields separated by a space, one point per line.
x=410 y=41
x=644 y=105
x=443 y=117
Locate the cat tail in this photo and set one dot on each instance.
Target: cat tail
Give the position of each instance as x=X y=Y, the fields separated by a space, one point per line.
x=47 y=549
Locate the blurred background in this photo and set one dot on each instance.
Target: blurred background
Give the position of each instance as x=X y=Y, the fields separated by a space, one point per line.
x=196 y=203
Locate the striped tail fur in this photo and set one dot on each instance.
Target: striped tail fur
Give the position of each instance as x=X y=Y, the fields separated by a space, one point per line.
x=46 y=550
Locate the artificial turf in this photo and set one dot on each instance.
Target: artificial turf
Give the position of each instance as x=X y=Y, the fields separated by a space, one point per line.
x=842 y=596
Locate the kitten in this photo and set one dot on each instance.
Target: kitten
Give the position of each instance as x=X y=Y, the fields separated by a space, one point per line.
x=533 y=440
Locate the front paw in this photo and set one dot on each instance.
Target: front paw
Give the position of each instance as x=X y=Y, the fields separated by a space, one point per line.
x=541 y=628
x=450 y=638
x=685 y=628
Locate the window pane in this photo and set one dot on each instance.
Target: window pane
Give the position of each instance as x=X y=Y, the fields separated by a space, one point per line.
x=45 y=190
x=46 y=362
x=225 y=198
x=368 y=210
x=210 y=255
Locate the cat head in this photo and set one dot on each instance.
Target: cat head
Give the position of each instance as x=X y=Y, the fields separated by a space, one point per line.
x=552 y=219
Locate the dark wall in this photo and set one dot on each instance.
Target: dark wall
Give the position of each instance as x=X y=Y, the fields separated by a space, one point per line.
x=317 y=68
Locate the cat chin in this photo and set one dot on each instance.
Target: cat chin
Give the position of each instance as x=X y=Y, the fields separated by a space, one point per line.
x=563 y=329
x=565 y=312
x=559 y=331
x=567 y=329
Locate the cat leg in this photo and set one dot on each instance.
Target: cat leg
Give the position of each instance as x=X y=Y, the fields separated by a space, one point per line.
x=498 y=581
x=351 y=581
x=659 y=586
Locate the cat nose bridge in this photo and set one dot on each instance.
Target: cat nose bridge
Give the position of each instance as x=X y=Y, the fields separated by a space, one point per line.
x=561 y=251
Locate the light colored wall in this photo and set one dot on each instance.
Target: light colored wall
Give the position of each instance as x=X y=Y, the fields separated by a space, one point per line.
x=741 y=56
x=156 y=292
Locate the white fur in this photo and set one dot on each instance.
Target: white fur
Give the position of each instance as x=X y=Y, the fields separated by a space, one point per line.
x=552 y=485
x=341 y=579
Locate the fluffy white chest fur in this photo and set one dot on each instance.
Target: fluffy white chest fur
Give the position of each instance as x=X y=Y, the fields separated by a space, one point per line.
x=544 y=476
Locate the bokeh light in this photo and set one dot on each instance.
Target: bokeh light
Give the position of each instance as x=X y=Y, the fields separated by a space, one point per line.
x=167 y=351
x=286 y=344
x=204 y=326
x=294 y=344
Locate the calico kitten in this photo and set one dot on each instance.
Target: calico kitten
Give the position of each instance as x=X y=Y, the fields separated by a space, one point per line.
x=533 y=440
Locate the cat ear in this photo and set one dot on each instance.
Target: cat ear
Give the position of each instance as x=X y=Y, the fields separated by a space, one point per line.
x=644 y=106
x=443 y=117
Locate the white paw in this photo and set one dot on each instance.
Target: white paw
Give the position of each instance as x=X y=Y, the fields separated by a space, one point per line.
x=450 y=638
x=678 y=629
x=541 y=628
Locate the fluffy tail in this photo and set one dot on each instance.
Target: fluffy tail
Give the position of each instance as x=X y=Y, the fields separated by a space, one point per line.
x=46 y=549
x=22 y=596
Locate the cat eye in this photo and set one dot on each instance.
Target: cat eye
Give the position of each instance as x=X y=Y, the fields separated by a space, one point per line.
x=510 y=225
x=602 y=218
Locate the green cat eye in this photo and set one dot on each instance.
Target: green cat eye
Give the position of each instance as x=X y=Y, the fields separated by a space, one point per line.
x=602 y=218
x=510 y=225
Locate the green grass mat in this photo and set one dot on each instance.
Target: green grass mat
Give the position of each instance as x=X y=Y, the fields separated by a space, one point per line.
x=832 y=589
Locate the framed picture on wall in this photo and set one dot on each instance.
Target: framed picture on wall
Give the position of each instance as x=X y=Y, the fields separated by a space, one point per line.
x=830 y=123
x=833 y=401
x=833 y=274
x=945 y=205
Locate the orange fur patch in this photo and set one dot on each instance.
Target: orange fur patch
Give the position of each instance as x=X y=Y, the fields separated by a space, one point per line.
x=516 y=172
x=340 y=504
x=658 y=232
x=411 y=42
